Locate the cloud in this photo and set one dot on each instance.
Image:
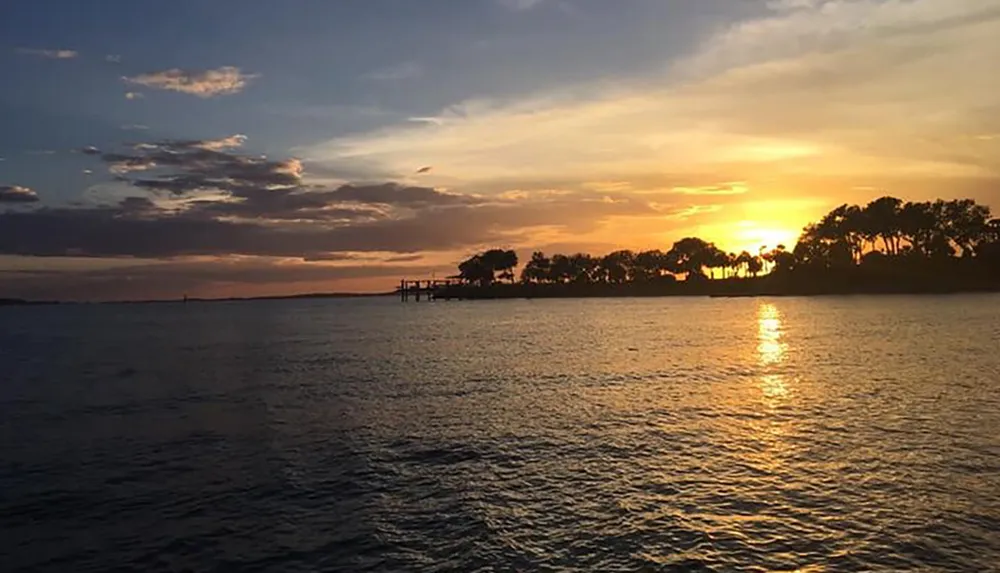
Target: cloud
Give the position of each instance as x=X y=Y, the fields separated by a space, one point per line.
x=810 y=92
x=519 y=5
x=50 y=54
x=736 y=188
x=394 y=194
x=287 y=223
x=134 y=127
x=134 y=95
x=406 y=70
x=202 y=198
x=226 y=80
x=231 y=142
x=17 y=194
x=113 y=58
x=144 y=233
x=184 y=166
x=209 y=178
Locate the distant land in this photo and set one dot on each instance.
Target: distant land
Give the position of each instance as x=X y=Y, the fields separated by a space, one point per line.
x=777 y=284
x=17 y=301
x=885 y=247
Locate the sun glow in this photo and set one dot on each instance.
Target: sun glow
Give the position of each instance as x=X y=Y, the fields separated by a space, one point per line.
x=750 y=236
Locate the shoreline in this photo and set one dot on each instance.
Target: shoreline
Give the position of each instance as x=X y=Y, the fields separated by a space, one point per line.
x=767 y=286
x=307 y=296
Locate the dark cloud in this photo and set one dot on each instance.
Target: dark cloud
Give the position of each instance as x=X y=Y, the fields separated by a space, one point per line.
x=258 y=188
x=137 y=205
x=186 y=166
x=405 y=259
x=17 y=194
x=282 y=205
x=392 y=194
x=137 y=228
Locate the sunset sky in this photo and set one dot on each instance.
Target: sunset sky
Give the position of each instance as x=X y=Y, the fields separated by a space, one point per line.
x=244 y=147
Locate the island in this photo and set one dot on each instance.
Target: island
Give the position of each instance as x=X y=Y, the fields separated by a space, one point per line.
x=885 y=247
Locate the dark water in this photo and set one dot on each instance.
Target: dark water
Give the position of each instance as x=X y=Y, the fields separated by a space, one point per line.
x=825 y=434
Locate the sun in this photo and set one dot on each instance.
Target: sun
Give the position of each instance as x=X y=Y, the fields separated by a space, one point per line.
x=750 y=236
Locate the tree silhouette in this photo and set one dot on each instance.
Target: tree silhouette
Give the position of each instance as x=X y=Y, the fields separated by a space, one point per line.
x=881 y=219
x=716 y=258
x=689 y=256
x=887 y=238
x=561 y=270
x=617 y=267
x=538 y=269
x=649 y=265
x=743 y=262
x=583 y=268
x=476 y=270
x=843 y=225
x=481 y=269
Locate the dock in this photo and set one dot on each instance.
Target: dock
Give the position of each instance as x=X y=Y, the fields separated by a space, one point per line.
x=426 y=289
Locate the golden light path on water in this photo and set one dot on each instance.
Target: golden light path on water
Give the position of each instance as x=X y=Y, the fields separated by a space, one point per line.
x=771 y=351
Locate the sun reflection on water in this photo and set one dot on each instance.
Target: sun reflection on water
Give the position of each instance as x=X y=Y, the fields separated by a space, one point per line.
x=771 y=350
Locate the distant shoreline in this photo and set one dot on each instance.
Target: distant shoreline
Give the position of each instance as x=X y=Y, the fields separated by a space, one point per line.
x=765 y=286
x=23 y=302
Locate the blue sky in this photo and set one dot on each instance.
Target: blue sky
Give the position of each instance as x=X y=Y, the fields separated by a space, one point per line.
x=323 y=68
x=555 y=124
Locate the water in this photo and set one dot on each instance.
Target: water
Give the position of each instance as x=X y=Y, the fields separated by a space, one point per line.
x=823 y=434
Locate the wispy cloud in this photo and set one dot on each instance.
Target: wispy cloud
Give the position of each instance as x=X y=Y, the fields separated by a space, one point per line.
x=231 y=142
x=113 y=58
x=810 y=90
x=737 y=188
x=397 y=72
x=51 y=54
x=226 y=80
x=134 y=95
x=520 y=4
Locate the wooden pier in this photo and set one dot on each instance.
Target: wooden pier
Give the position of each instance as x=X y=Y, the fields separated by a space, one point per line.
x=427 y=289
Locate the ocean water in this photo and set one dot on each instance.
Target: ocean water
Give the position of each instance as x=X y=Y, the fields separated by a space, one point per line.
x=785 y=434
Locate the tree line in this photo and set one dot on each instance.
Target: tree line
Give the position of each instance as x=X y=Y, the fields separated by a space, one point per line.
x=883 y=233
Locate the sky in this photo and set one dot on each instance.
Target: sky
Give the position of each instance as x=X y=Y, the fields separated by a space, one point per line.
x=243 y=147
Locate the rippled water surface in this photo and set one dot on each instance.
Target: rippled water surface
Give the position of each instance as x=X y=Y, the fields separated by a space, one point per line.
x=823 y=434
